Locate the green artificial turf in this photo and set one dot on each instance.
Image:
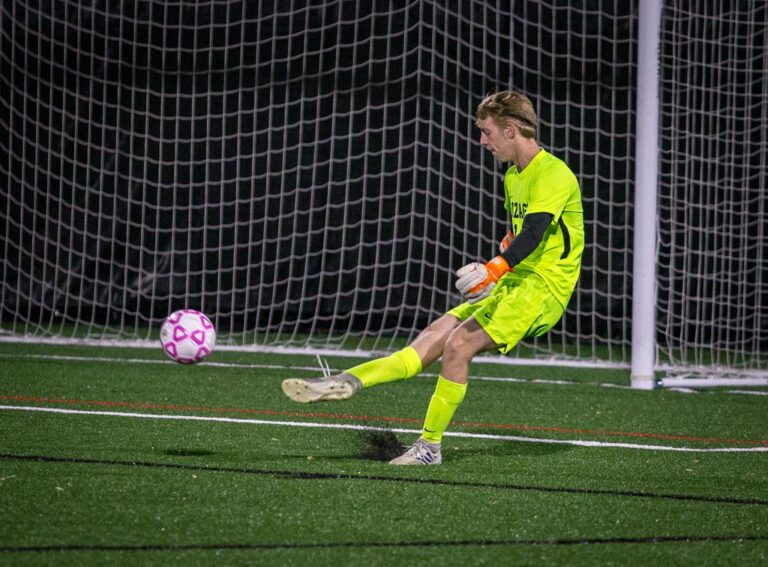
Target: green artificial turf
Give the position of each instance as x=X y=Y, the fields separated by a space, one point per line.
x=118 y=487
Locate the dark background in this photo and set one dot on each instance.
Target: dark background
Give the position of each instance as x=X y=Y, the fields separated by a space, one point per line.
x=289 y=167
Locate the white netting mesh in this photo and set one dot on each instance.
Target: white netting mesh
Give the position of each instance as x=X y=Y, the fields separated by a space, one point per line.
x=713 y=237
x=305 y=173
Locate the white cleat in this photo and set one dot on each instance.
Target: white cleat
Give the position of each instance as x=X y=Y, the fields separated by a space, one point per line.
x=420 y=453
x=309 y=390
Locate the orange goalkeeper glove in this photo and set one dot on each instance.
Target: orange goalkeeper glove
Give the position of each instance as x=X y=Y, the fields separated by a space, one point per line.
x=506 y=241
x=477 y=280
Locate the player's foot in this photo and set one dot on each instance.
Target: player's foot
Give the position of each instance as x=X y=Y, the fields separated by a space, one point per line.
x=420 y=453
x=308 y=390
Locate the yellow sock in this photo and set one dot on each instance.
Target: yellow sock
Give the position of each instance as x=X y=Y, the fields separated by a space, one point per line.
x=398 y=366
x=447 y=397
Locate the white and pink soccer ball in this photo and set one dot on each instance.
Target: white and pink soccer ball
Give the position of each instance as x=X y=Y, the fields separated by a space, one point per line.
x=187 y=336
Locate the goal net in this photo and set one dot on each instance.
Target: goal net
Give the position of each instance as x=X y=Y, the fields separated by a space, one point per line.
x=713 y=206
x=309 y=174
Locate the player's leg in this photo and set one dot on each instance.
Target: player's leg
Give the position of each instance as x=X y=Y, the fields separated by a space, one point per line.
x=408 y=362
x=520 y=306
x=401 y=365
x=462 y=345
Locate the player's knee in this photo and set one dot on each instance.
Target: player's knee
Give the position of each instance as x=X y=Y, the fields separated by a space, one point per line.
x=442 y=328
x=458 y=347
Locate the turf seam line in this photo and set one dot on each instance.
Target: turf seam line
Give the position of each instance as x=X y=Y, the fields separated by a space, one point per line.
x=302 y=475
x=375 y=544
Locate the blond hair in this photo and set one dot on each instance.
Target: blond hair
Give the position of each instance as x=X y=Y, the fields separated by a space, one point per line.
x=511 y=106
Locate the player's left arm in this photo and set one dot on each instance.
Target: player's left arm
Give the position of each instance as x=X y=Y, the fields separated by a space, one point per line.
x=531 y=235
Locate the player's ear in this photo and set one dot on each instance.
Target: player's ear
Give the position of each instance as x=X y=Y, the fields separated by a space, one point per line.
x=510 y=130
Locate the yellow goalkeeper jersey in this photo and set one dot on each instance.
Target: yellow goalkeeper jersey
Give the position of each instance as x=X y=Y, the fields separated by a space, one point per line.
x=547 y=185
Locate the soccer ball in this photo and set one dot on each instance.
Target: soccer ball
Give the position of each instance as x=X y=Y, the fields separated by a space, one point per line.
x=187 y=336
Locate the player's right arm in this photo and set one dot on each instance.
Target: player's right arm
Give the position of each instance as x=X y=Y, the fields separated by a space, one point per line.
x=476 y=280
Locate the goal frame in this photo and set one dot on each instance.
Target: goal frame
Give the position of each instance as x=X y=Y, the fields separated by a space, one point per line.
x=647 y=372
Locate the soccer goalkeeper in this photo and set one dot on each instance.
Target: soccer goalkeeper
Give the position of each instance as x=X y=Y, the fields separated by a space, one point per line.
x=522 y=292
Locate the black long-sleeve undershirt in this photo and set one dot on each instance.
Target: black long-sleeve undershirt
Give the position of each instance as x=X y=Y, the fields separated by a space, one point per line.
x=534 y=227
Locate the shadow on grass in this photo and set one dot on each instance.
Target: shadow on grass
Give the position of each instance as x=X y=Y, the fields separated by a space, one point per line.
x=379 y=445
x=385 y=446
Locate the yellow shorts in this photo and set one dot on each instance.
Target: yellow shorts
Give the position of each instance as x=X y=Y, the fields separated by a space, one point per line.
x=520 y=306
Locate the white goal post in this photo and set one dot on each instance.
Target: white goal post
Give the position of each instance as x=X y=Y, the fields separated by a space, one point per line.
x=643 y=366
x=700 y=315
x=309 y=175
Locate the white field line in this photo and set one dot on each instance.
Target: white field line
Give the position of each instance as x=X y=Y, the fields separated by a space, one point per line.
x=321 y=369
x=755 y=393
x=348 y=426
